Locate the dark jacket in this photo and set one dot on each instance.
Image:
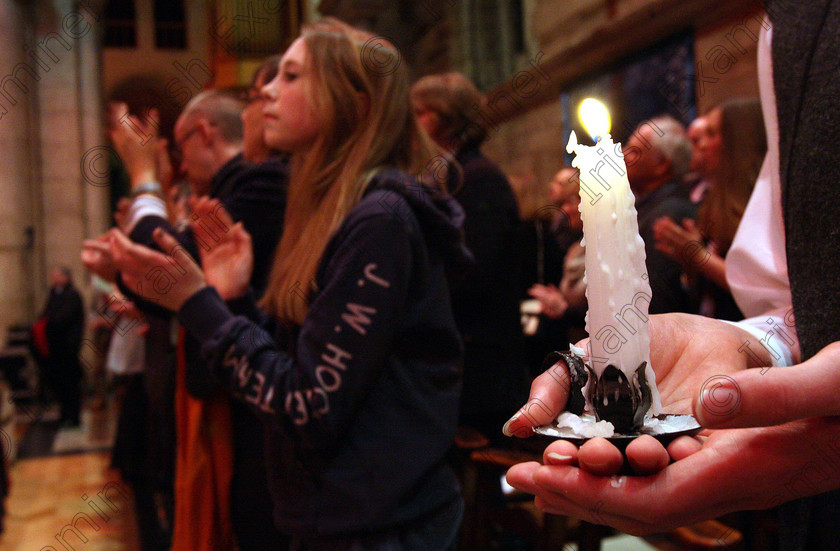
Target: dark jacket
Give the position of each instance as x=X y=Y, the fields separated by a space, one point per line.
x=806 y=39
x=256 y=196
x=666 y=288
x=486 y=300
x=252 y=194
x=362 y=413
x=65 y=315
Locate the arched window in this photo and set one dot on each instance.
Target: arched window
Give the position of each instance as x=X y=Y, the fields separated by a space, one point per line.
x=170 y=24
x=120 y=24
x=493 y=36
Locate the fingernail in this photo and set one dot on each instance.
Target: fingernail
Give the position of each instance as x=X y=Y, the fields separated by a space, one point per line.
x=506 y=428
x=720 y=400
x=560 y=458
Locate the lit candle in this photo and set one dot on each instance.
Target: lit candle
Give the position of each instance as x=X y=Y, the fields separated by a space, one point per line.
x=617 y=287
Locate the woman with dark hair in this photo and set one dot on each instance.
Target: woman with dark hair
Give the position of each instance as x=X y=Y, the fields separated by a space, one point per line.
x=354 y=365
x=700 y=247
x=486 y=302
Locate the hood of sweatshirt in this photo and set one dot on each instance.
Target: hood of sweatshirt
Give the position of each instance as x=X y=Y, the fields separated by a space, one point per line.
x=440 y=216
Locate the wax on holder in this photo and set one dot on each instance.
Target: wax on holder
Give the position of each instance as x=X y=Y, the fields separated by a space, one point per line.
x=617 y=287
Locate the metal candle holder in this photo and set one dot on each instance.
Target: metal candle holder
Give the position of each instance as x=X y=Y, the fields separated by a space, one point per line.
x=614 y=398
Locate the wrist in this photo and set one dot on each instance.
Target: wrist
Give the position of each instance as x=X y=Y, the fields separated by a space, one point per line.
x=150 y=186
x=141 y=176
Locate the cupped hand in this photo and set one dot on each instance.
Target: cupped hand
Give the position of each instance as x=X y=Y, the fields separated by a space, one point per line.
x=688 y=353
x=164 y=279
x=224 y=246
x=755 y=468
x=681 y=243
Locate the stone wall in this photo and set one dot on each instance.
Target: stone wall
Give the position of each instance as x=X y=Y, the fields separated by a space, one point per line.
x=51 y=94
x=18 y=172
x=579 y=39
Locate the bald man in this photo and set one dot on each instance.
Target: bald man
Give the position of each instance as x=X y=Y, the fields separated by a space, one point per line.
x=209 y=136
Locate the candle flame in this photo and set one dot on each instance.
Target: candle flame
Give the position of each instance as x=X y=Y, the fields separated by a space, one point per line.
x=595 y=118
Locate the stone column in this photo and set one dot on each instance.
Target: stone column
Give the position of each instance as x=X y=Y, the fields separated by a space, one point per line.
x=74 y=192
x=20 y=271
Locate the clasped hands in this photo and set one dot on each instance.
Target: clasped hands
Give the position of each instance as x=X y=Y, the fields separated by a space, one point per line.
x=170 y=278
x=790 y=450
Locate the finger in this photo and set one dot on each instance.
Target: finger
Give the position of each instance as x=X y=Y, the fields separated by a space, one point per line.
x=211 y=215
x=771 y=396
x=560 y=452
x=683 y=447
x=549 y=394
x=118 y=243
x=165 y=241
x=129 y=254
x=97 y=245
x=599 y=457
x=552 y=486
x=242 y=234
x=116 y=111
x=646 y=455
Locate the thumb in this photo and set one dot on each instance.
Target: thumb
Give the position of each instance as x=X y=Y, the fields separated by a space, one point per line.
x=772 y=396
x=241 y=234
x=165 y=241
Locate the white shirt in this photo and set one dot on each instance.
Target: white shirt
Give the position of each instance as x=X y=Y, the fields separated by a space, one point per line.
x=756 y=264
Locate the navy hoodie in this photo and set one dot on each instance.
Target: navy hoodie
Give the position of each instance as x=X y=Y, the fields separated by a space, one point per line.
x=361 y=401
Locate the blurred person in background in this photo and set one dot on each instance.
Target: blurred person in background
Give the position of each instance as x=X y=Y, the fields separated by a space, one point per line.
x=486 y=301
x=561 y=300
x=58 y=339
x=657 y=155
x=223 y=477
x=701 y=247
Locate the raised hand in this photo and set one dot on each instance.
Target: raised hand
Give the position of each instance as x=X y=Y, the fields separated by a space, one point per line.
x=225 y=248
x=684 y=244
x=164 y=279
x=97 y=258
x=137 y=143
x=554 y=304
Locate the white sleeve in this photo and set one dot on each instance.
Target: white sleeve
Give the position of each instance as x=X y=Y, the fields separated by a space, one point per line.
x=143 y=205
x=777 y=335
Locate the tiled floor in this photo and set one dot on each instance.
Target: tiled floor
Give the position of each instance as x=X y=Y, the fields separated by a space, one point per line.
x=76 y=499
x=63 y=500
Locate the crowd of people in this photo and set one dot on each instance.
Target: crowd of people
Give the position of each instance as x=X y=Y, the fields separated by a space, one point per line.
x=331 y=279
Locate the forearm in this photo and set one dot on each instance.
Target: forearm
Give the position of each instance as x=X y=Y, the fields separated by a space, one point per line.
x=714 y=268
x=341 y=348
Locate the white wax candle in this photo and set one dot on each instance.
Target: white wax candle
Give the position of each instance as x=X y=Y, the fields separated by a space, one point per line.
x=617 y=287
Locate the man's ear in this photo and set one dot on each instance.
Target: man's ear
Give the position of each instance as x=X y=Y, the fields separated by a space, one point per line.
x=665 y=167
x=206 y=129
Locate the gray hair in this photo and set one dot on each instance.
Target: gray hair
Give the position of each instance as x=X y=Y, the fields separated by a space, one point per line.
x=222 y=109
x=669 y=140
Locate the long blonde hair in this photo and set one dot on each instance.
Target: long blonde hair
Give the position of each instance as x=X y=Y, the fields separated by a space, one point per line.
x=359 y=93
